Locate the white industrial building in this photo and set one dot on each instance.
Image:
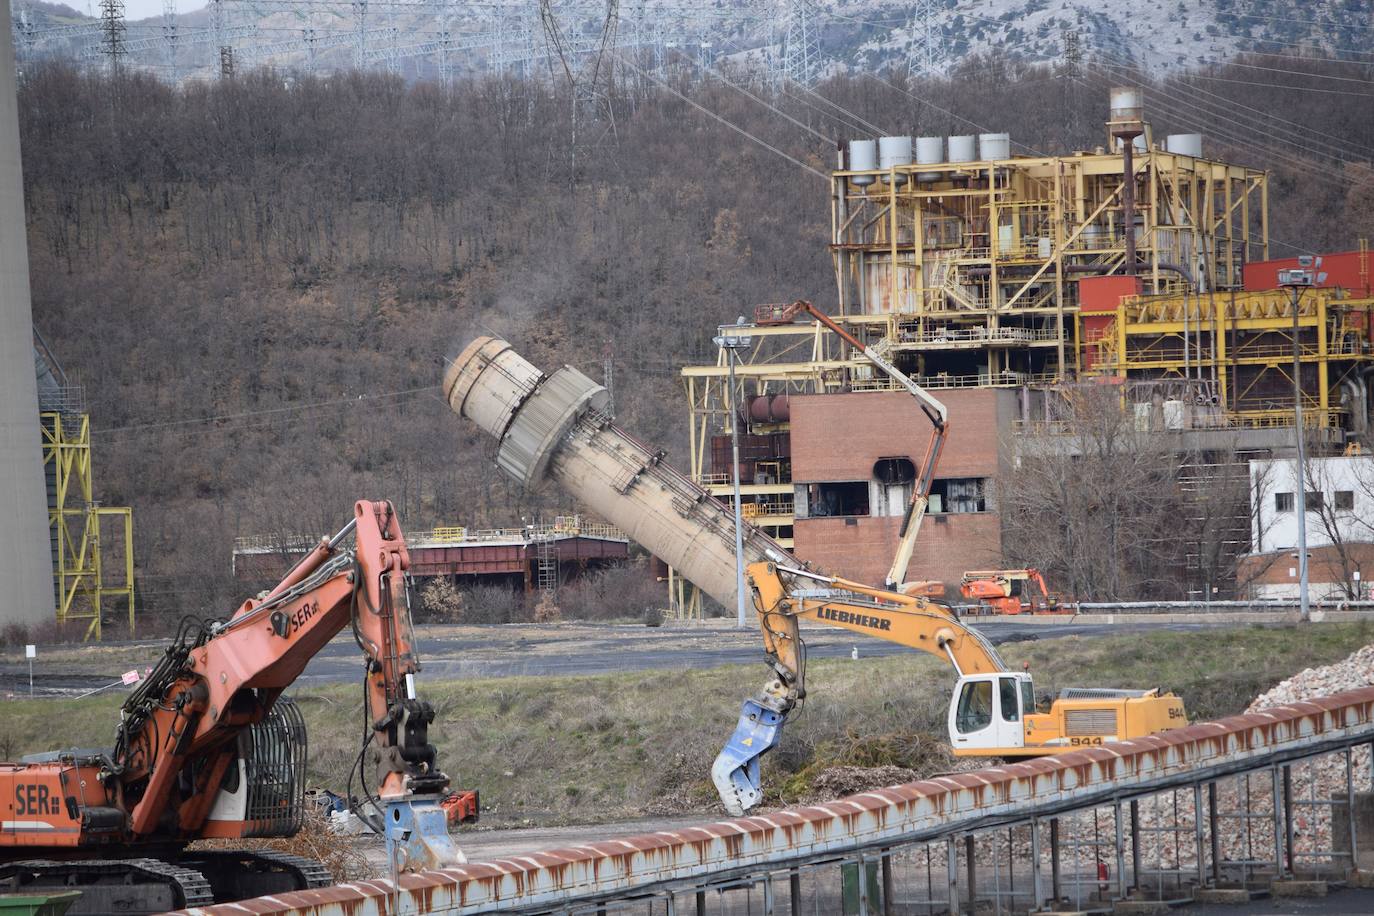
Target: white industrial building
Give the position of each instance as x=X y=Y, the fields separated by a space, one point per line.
x=1340 y=526
x=1340 y=497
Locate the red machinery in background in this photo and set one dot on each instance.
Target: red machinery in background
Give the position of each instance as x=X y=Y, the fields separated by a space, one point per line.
x=1010 y=591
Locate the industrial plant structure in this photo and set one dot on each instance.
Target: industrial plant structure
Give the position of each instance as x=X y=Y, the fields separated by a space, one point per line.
x=997 y=280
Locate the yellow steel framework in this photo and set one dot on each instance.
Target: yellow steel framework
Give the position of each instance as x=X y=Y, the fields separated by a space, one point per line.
x=963 y=274
x=970 y=265
x=87 y=586
x=1241 y=345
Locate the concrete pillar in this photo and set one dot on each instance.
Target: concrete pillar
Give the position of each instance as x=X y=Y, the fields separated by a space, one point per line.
x=25 y=563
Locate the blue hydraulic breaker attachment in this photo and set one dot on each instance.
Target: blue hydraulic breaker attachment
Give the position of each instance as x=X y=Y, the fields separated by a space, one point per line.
x=417 y=837
x=736 y=770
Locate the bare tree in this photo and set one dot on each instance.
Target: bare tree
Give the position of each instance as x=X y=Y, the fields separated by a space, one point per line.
x=1093 y=500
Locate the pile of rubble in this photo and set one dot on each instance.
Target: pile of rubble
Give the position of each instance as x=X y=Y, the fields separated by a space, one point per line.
x=1351 y=674
x=1169 y=840
x=1168 y=818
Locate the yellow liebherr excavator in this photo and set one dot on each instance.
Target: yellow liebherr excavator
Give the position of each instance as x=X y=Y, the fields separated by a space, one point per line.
x=992 y=712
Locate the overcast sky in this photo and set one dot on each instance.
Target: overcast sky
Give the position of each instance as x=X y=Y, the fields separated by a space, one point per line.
x=134 y=9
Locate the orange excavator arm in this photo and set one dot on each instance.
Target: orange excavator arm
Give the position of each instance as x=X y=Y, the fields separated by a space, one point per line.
x=783 y=596
x=178 y=730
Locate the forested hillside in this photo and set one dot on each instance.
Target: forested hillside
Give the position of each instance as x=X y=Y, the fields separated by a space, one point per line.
x=258 y=280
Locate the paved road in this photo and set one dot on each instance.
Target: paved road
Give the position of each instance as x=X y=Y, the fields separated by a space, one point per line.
x=572 y=649
x=458 y=652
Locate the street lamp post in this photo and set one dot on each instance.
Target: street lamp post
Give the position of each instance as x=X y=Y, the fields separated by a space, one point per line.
x=733 y=339
x=1295 y=281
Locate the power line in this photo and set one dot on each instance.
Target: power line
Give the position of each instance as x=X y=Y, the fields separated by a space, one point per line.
x=1258 y=120
x=293 y=408
x=715 y=117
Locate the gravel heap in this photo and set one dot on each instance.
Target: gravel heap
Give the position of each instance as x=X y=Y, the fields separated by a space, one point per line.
x=1350 y=674
x=1168 y=840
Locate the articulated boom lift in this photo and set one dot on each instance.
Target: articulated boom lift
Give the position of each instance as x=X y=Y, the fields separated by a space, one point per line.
x=934 y=410
x=207 y=747
x=1010 y=591
x=992 y=712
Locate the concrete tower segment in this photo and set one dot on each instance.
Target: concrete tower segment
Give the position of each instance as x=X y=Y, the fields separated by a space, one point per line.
x=26 y=583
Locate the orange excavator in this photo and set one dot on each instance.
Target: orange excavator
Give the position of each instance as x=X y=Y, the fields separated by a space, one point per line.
x=207 y=747
x=1010 y=591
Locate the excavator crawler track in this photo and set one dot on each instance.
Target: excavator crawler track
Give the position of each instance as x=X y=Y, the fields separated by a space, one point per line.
x=236 y=874
x=103 y=880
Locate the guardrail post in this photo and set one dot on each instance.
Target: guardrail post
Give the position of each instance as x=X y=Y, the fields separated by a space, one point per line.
x=1135 y=843
x=1288 y=816
x=1212 y=831
x=1277 y=791
x=1120 y=852
x=1197 y=835
x=952 y=874
x=887 y=882
x=1054 y=860
x=972 y=876
x=1350 y=807
x=863 y=885
x=768 y=895
x=1037 y=888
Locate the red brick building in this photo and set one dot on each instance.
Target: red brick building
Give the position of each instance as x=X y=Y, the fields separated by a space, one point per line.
x=854 y=457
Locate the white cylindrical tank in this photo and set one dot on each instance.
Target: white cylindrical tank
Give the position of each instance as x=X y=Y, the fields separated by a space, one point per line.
x=1125 y=104
x=962 y=148
x=929 y=150
x=26 y=577
x=863 y=155
x=1184 y=144
x=992 y=147
x=550 y=427
x=894 y=151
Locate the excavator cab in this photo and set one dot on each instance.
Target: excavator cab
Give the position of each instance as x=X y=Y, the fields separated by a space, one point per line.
x=987 y=713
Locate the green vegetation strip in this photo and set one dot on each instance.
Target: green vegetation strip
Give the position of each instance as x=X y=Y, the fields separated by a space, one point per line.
x=561 y=750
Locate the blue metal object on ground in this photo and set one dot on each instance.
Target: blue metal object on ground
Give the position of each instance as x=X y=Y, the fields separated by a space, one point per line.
x=736 y=770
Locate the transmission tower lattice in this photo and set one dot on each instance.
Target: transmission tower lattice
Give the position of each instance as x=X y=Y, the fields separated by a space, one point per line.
x=927 y=39
x=1070 y=72
x=169 y=36
x=112 y=32
x=801 y=56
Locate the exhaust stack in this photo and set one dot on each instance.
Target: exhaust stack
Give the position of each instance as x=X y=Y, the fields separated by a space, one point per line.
x=552 y=427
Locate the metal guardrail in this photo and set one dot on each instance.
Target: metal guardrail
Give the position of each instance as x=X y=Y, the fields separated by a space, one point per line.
x=647 y=873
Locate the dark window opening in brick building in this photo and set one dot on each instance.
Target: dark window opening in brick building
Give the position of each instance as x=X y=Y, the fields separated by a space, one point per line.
x=959 y=495
x=1283 y=502
x=894 y=478
x=829 y=499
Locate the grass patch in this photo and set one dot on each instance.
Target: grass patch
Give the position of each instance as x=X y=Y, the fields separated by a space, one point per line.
x=559 y=750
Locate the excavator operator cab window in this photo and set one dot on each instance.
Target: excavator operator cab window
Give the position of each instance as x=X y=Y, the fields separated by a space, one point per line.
x=1027 y=695
x=1011 y=708
x=975 y=707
